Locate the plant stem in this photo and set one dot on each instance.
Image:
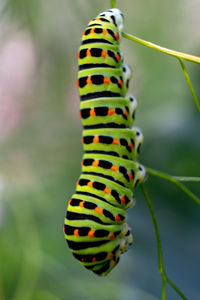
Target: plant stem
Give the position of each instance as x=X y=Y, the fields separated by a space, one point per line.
x=190 y=84
x=174 y=53
x=175 y=180
x=113 y=3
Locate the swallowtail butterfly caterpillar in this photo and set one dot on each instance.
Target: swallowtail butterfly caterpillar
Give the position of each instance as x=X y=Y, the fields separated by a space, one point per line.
x=95 y=225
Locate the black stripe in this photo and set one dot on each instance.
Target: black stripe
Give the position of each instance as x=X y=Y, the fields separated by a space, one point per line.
x=76 y=216
x=90 y=66
x=84 y=245
x=107 y=125
x=90 y=41
x=105 y=176
x=103 y=269
x=94 y=196
x=104 y=94
x=112 y=153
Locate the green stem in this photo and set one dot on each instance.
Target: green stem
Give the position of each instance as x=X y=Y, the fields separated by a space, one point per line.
x=175 y=180
x=174 y=53
x=113 y=3
x=159 y=248
x=190 y=84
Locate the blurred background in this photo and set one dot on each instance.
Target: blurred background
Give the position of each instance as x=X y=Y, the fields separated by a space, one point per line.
x=41 y=151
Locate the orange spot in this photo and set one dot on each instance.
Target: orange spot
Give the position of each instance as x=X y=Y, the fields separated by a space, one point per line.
x=105 y=31
x=126 y=113
x=122 y=199
x=110 y=255
x=96 y=139
x=117 y=56
x=88 y=52
x=130 y=175
x=106 y=80
x=83 y=32
x=91 y=233
x=82 y=163
x=92 y=112
x=82 y=140
x=89 y=81
x=94 y=259
x=81 y=204
x=76 y=232
x=114 y=263
x=77 y=183
x=92 y=31
x=64 y=228
x=107 y=190
x=117 y=36
x=111 y=111
x=69 y=201
x=104 y=53
x=112 y=236
x=98 y=19
x=78 y=54
x=77 y=83
x=80 y=113
x=114 y=168
x=117 y=218
x=82 y=259
x=98 y=210
x=131 y=146
x=120 y=82
x=90 y=184
x=115 y=141
x=95 y=163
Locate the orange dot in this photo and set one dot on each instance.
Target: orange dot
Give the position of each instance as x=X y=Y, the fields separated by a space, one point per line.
x=94 y=259
x=131 y=146
x=110 y=255
x=117 y=218
x=78 y=54
x=98 y=19
x=64 y=228
x=126 y=113
x=96 y=139
x=111 y=111
x=91 y=233
x=114 y=263
x=81 y=204
x=107 y=190
x=83 y=32
x=130 y=175
x=112 y=236
x=88 y=52
x=82 y=163
x=115 y=141
x=95 y=163
x=80 y=113
x=82 y=140
x=76 y=232
x=92 y=31
x=89 y=81
x=77 y=83
x=82 y=259
x=105 y=31
x=106 y=80
x=98 y=210
x=117 y=56
x=69 y=201
x=92 y=112
x=114 y=168
x=122 y=199
x=90 y=184
x=77 y=183
x=117 y=36
x=120 y=82
x=104 y=53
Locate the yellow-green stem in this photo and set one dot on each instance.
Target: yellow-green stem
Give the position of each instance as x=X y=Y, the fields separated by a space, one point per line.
x=174 y=53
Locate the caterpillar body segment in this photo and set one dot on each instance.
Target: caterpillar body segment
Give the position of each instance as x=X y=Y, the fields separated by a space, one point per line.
x=95 y=225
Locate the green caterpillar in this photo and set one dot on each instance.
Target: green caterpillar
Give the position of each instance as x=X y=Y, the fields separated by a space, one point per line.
x=95 y=225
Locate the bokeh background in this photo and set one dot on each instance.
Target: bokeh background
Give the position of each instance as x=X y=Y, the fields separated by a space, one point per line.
x=41 y=151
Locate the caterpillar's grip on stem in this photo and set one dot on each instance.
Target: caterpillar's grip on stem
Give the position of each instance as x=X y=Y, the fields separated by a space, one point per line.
x=95 y=225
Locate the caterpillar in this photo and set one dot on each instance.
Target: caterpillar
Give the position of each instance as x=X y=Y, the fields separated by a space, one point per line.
x=95 y=225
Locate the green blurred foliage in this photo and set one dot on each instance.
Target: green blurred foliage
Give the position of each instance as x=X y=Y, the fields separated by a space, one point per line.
x=40 y=155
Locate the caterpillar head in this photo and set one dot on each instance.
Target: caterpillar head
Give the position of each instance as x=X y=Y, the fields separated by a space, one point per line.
x=113 y=16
